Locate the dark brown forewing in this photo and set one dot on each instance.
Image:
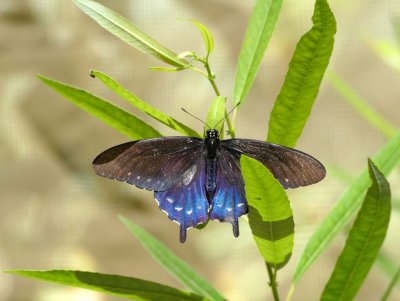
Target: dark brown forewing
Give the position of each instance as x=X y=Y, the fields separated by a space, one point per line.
x=154 y=164
x=291 y=167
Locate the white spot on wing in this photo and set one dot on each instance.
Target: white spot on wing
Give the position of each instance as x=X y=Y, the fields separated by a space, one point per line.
x=129 y=173
x=169 y=200
x=286 y=180
x=240 y=205
x=229 y=209
x=177 y=208
x=189 y=174
x=138 y=177
x=189 y=212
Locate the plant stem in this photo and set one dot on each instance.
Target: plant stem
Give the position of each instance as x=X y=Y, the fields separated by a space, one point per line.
x=211 y=78
x=272 y=281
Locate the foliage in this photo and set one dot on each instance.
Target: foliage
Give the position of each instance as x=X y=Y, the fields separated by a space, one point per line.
x=270 y=215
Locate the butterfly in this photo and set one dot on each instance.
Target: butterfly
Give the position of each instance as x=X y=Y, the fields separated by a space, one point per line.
x=195 y=180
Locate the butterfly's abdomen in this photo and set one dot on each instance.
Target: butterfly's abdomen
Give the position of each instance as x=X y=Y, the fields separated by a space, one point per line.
x=211 y=175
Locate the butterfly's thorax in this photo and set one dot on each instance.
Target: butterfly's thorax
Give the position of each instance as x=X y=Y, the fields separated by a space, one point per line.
x=212 y=143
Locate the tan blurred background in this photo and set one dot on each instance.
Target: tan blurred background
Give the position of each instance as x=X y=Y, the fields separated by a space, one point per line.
x=56 y=214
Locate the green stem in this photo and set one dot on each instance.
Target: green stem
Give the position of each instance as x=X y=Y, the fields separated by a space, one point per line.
x=272 y=281
x=211 y=78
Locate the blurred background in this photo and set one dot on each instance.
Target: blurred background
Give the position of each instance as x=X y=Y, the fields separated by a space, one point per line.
x=56 y=214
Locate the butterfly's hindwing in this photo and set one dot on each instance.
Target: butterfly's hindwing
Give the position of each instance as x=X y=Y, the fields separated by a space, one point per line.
x=229 y=201
x=153 y=164
x=291 y=167
x=186 y=201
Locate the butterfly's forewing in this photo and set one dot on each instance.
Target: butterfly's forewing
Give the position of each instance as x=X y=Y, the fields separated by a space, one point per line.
x=229 y=201
x=154 y=164
x=186 y=202
x=291 y=167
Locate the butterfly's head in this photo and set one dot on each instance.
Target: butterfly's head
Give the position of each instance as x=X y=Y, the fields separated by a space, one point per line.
x=212 y=133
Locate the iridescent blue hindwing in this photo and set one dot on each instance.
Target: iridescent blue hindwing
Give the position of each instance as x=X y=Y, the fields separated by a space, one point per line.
x=186 y=202
x=229 y=202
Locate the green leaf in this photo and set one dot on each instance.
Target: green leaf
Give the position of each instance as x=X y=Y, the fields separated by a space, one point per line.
x=358 y=103
x=128 y=32
x=306 y=69
x=387 y=265
x=174 y=265
x=386 y=159
x=206 y=34
x=270 y=215
x=166 y=69
x=216 y=114
x=259 y=31
x=395 y=279
x=364 y=241
x=143 y=106
x=114 y=116
x=388 y=51
x=127 y=287
x=186 y=54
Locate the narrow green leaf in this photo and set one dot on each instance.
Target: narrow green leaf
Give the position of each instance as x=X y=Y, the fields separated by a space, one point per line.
x=386 y=159
x=206 y=34
x=306 y=69
x=114 y=116
x=388 y=51
x=174 y=265
x=387 y=265
x=389 y=289
x=128 y=32
x=358 y=103
x=186 y=54
x=270 y=215
x=216 y=114
x=143 y=106
x=127 y=287
x=364 y=241
x=259 y=31
x=165 y=69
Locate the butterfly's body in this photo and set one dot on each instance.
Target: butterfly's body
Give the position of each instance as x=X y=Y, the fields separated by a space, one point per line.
x=195 y=180
x=212 y=144
x=211 y=176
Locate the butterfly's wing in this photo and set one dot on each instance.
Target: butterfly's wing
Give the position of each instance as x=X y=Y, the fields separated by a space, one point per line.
x=186 y=201
x=174 y=167
x=153 y=164
x=229 y=201
x=291 y=167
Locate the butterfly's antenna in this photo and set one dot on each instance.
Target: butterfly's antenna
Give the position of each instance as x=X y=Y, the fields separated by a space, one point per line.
x=196 y=118
x=226 y=115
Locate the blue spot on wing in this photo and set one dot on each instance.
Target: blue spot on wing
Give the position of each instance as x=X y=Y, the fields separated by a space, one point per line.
x=186 y=201
x=229 y=201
